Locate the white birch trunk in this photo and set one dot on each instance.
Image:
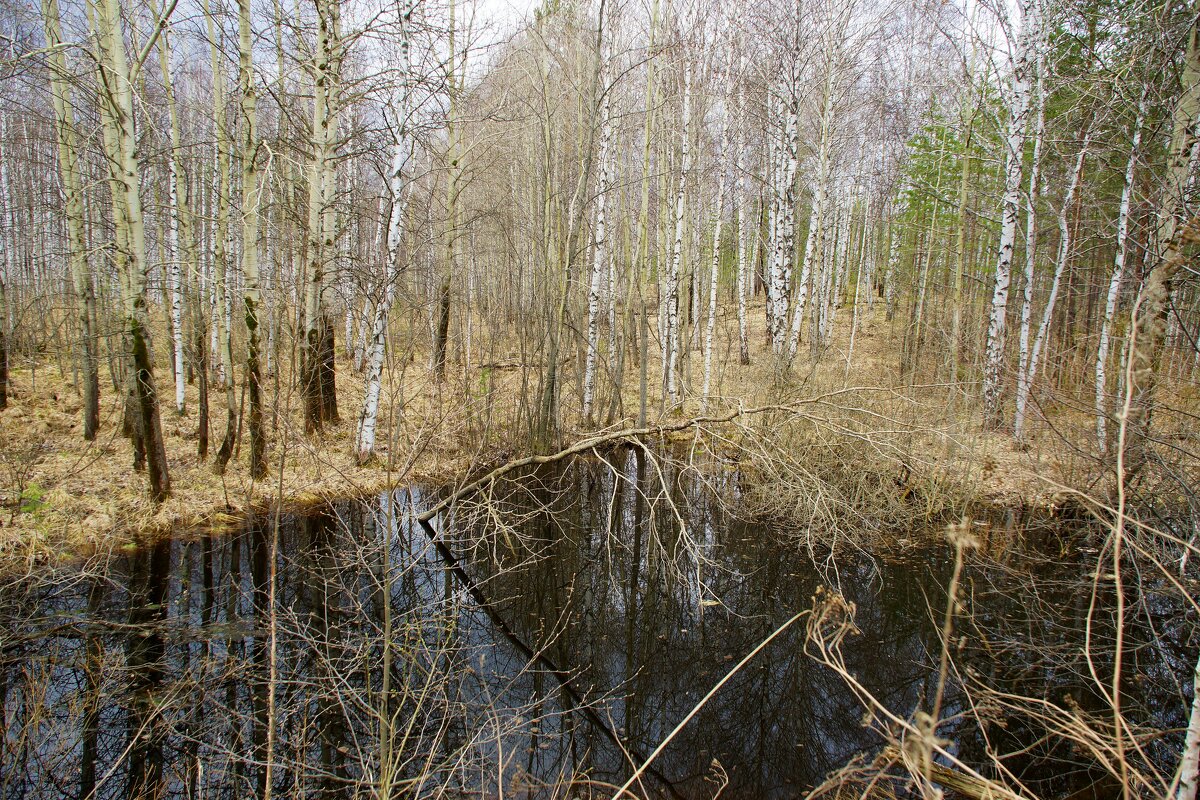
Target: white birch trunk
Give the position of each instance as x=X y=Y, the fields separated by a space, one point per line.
x=716 y=254
x=672 y=299
x=1189 y=764
x=1031 y=232
x=174 y=286
x=73 y=211
x=858 y=282
x=1025 y=379
x=364 y=323
x=895 y=240
x=223 y=344
x=251 y=200
x=595 y=284
x=842 y=264
x=320 y=231
x=179 y=244
x=1114 y=285
x=401 y=147
x=1013 y=168
x=740 y=169
x=611 y=294
x=816 y=227
x=812 y=245
x=784 y=245
x=121 y=143
x=772 y=181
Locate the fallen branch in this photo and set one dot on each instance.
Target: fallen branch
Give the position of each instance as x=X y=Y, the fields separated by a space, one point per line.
x=626 y=434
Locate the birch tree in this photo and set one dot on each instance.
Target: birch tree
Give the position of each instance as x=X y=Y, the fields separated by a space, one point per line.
x=1026 y=376
x=5 y=271
x=220 y=252
x=715 y=271
x=317 y=387
x=784 y=192
x=672 y=292
x=251 y=198
x=180 y=252
x=1018 y=99
x=69 y=154
x=399 y=112
x=1031 y=230
x=600 y=244
x=116 y=90
x=740 y=183
x=1118 y=273
x=1176 y=227
x=815 y=242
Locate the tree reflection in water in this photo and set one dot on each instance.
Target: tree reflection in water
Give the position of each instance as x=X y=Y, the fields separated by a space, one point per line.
x=579 y=605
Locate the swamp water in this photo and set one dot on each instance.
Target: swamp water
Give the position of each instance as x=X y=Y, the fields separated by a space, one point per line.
x=559 y=629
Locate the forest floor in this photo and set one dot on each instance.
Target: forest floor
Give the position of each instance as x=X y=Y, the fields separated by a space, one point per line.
x=64 y=496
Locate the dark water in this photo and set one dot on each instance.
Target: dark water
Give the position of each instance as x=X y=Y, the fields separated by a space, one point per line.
x=562 y=630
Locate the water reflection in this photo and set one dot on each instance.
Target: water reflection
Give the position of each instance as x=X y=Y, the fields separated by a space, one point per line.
x=557 y=629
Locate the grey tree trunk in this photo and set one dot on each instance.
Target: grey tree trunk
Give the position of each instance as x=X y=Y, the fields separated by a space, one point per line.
x=68 y=160
x=120 y=141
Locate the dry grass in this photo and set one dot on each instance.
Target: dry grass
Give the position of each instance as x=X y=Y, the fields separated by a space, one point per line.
x=78 y=496
x=870 y=422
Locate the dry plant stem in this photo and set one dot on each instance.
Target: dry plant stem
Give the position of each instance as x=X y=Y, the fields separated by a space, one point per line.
x=703 y=701
x=829 y=654
x=272 y=664
x=947 y=630
x=1118 y=538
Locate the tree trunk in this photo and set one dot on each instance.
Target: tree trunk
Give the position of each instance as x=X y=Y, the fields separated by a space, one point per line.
x=1025 y=378
x=672 y=298
x=68 y=160
x=251 y=198
x=740 y=177
x=1189 y=763
x=783 y=239
x=715 y=272
x=1149 y=324
x=3 y=336
x=1114 y=285
x=1031 y=231
x=315 y=382
x=220 y=284
x=1010 y=208
x=960 y=252
x=119 y=119
x=201 y=359
x=814 y=244
x=180 y=250
x=397 y=213
x=599 y=251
